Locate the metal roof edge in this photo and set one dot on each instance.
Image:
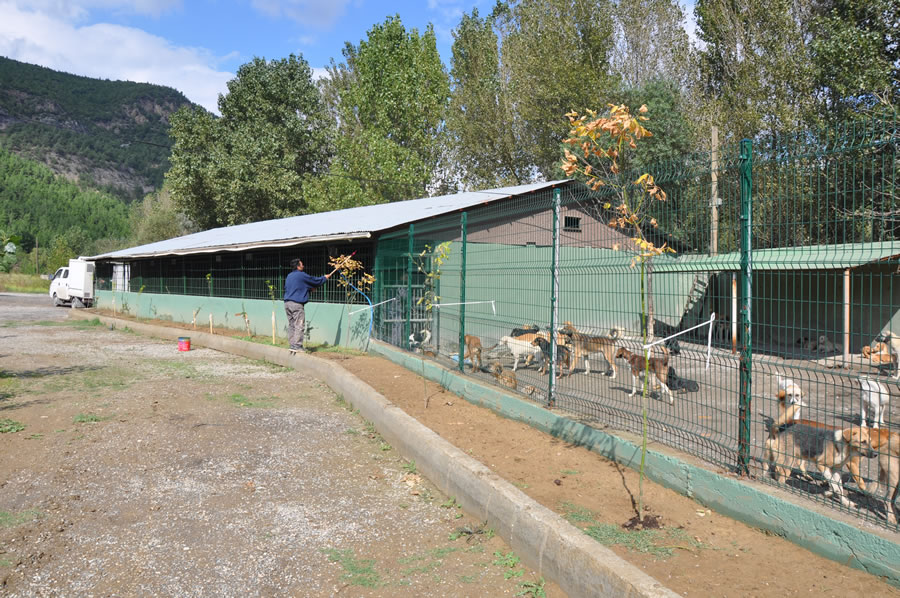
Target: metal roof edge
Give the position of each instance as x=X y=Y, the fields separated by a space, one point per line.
x=238 y=247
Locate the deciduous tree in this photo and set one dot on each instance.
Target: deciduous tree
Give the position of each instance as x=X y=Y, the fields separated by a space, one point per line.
x=249 y=164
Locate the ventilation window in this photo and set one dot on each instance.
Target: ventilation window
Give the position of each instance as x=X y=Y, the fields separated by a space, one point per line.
x=572 y=224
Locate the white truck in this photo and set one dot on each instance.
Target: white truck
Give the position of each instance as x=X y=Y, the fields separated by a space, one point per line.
x=73 y=284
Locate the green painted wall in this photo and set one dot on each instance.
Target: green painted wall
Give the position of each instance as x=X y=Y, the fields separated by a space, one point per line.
x=598 y=290
x=326 y=322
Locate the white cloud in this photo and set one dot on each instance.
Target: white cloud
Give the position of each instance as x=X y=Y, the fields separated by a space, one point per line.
x=110 y=52
x=315 y=13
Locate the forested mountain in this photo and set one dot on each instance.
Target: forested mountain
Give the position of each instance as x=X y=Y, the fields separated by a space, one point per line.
x=42 y=207
x=111 y=135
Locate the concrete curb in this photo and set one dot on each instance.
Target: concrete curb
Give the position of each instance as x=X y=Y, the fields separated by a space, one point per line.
x=543 y=539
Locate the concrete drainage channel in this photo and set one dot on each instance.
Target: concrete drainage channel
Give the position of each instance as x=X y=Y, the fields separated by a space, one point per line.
x=543 y=539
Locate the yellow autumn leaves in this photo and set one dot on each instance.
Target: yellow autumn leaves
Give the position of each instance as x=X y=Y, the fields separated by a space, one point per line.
x=596 y=145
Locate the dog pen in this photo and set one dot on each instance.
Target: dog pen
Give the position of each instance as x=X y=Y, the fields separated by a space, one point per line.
x=793 y=242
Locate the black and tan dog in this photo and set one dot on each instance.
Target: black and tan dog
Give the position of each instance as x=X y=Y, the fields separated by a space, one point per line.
x=563 y=356
x=585 y=344
x=659 y=367
x=795 y=442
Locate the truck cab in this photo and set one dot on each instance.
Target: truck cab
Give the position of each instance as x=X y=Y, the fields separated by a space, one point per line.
x=73 y=284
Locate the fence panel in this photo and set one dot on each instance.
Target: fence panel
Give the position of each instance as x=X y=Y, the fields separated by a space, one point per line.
x=820 y=266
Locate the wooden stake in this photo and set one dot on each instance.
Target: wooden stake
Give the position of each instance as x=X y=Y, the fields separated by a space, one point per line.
x=273 y=327
x=210 y=324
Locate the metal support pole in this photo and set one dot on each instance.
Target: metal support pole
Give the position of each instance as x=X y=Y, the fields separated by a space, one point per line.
x=409 y=300
x=554 y=306
x=746 y=299
x=463 y=224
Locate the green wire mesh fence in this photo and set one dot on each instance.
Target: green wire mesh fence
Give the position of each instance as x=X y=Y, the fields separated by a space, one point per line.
x=792 y=243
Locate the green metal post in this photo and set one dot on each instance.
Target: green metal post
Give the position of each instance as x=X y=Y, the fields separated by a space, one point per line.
x=554 y=291
x=746 y=298
x=462 y=292
x=409 y=274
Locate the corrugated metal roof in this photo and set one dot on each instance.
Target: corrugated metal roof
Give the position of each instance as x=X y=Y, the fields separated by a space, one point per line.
x=351 y=223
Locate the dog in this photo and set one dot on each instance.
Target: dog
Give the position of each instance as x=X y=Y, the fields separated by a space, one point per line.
x=659 y=366
x=788 y=395
x=532 y=329
x=800 y=441
x=504 y=377
x=824 y=345
x=563 y=356
x=875 y=398
x=878 y=353
x=473 y=350
x=678 y=384
x=887 y=445
x=893 y=342
x=521 y=347
x=584 y=345
x=417 y=339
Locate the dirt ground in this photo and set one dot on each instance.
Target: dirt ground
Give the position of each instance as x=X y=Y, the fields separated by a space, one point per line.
x=128 y=468
x=696 y=552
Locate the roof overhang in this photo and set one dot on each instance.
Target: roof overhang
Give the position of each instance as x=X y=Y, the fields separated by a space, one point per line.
x=235 y=247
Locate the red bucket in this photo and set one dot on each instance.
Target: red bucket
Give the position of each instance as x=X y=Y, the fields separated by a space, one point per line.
x=184 y=343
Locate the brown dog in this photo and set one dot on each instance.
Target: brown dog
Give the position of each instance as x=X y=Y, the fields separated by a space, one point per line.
x=887 y=444
x=583 y=345
x=473 y=350
x=878 y=353
x=659 y=366
x=797 y=441
x=504 y=377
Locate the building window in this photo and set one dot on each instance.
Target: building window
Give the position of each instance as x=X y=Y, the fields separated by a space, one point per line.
x=572 y=224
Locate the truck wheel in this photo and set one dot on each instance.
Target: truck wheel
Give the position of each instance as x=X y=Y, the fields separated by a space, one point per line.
x=76 y=302
x=56 y=301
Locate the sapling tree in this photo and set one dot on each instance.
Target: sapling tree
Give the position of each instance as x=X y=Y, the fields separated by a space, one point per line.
x=600 y=147
x=429 y=262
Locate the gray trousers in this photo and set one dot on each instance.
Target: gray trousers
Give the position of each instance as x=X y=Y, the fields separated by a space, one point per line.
x=296 y=316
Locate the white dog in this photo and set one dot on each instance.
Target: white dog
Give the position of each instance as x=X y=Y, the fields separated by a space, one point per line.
x=824 y=345
x=875 y=399
x=788 y=394
x=520 y=348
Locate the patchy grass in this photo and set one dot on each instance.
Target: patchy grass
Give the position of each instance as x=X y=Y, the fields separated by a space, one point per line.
x=8 y=426
x=661 y=542
x=409 y=467
x=239 y=400
x=509 y=562
x=8 y=519
x=87 y=418
x=357 y=572
x=535 y=589
x=23 y=283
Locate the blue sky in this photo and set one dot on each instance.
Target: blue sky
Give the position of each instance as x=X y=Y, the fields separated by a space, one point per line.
x=196 y=46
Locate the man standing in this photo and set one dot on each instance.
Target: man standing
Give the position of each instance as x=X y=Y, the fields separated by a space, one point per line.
x=296 y=294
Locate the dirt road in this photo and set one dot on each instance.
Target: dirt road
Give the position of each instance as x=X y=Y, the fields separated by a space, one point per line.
x=143 y=471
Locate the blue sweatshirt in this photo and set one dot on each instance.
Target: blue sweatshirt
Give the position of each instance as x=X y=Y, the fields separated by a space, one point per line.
x=298 y=284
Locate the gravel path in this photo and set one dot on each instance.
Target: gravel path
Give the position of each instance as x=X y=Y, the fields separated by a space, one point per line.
x=143 y=471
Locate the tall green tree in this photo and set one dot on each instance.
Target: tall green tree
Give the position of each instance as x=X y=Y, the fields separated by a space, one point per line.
x=389 y=98
x=755 y=66
x=556 y=56
x=249 y=165
x=651 y=43
x=156 y=218
x=482 y=120
x=856 y=55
